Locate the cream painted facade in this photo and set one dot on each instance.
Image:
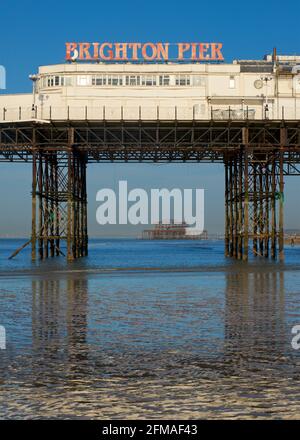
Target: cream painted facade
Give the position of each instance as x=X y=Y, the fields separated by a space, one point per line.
x=249 y=88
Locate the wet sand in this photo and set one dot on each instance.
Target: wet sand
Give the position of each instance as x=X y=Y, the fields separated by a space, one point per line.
x=146 y=340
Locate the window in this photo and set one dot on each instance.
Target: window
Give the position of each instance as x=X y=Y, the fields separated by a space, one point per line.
x=56 y=81
x=67 y=81
x=183 y=80
x=198 y=81
x=133 y=80
x=164 y=80
x=232 y=82
x=50 y=81
x=83 y=80
x=107 y=80
x=97 y=80
x=148 y=80
x=114 y=80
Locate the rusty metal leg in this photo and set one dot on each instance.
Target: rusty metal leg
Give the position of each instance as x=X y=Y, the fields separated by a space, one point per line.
x=273 y=213
x=246 y=206
x=59 y=182
x=46 y=207
x=83 y=209
x=33 y=220
x=236 y=212
x=266 y=214
x=265 y=192
x=281 y=213
x=261 y=220
x=253 y=189
x=51 y=206
x=283 y=142
x=40 y=210
x=57 y=214
x=84 y=214
x=70 y=255
x=255 y=213
x=231 y=212
x=76 y=206
x=227 y=222
x=240 y=207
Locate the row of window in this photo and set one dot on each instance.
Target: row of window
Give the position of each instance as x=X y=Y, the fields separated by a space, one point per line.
x=127 y=80
x=56 y=81
x=122 y=80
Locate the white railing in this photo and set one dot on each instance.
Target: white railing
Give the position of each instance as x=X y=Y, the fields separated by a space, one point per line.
x=98 y=113
x=231 y=113
x=111 y=113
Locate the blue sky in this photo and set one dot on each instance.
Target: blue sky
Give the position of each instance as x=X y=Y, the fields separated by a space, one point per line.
x=34 y=33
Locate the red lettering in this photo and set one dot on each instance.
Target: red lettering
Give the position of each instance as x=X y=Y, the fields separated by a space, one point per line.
x=182 y=48
x=96 y=51
x=84 y=53
x=216 y=53
x=194 y=51
x=70 y=47
x=148 y=51
x=153 y=49
x=162 y=51
x=203 y=48
x=110 y=53
x=121 y=51
x=134 y=47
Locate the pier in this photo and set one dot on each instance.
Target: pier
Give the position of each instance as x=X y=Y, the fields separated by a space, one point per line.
x=257 y=156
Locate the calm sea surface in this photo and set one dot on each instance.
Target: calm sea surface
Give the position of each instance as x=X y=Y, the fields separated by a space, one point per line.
x=149 y=329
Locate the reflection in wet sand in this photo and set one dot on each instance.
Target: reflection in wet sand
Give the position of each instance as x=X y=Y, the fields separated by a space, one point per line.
x=144 y=346
x=59 y=324
x=254 y=319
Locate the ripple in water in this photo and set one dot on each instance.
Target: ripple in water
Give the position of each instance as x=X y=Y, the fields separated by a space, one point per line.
x=207 y=343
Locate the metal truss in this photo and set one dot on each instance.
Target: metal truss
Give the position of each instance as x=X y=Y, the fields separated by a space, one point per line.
x=257 y=155
x=146 y=141
x=59 y=204
x=254 y=205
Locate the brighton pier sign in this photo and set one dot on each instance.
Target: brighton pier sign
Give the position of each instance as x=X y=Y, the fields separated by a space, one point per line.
x=144 y=51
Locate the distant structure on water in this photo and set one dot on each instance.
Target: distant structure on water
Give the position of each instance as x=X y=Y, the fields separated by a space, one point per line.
x=292 y=237
x=173 y=231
